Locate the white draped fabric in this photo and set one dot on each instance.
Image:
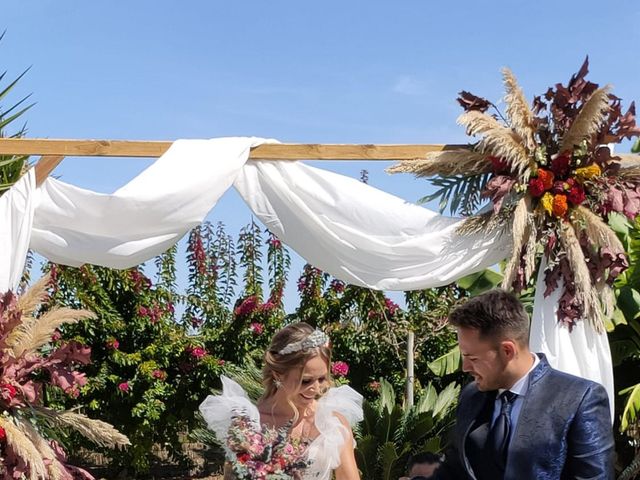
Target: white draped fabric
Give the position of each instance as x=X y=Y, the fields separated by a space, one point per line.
x=360 y=234
x=16 y=212
x=146 y=216
x=581 y=351
x=355 y=232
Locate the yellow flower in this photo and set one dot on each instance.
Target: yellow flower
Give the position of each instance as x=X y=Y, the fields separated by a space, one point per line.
x=587 y=173
x=547 y=202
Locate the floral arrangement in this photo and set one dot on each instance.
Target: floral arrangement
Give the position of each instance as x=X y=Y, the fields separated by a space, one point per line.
x=262 y=453
x=28 y=363
x=551 y=177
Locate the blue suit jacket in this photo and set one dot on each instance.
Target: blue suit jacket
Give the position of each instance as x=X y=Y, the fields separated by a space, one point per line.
x=563 y=432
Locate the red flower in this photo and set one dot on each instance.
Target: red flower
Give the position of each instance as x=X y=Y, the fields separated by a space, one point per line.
x=500 y=165
x=274 y=242
x=123 y=387
x=337 y=286
x=7 y=391
x=3 y=435
x=143 y=311
x=247 y=306
x=546 y=177
x=560 y=164
x=375 y=386
x=576 y=195
x=339 y=369
x=244 y=457
x=536 y=187
x=392 y=307
x=198 y=352
x=256 y=328
x=113 y=344
x=159 y=374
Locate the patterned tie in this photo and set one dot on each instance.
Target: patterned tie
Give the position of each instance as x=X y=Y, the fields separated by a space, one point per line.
x=501 y=430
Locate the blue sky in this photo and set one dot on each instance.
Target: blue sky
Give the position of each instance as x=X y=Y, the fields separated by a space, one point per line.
x=333 y=72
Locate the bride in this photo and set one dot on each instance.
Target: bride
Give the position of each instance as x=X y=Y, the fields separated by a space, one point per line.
x=297 y=394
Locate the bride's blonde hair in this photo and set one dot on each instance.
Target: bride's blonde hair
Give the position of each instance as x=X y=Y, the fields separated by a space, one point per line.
x=277 y=364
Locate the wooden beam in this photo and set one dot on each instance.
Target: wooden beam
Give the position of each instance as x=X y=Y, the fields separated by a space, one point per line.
x=285 y=151
x=45 y=166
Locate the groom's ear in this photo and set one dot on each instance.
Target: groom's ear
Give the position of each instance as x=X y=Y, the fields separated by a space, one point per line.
x=508 y=349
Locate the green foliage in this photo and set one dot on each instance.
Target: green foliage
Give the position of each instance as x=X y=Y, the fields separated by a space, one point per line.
x=461 y=193
x=11 y=166
x=151 y=368
x=147 y=375
x=636 y=146
x=391 y=432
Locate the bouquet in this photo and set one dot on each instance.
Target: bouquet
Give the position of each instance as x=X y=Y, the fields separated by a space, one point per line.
x=261 y=453
x=553 y=181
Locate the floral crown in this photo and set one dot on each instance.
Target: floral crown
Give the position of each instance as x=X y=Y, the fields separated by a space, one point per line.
x=317 y=338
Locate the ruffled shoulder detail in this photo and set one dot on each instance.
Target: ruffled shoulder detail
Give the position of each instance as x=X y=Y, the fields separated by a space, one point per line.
x=217 y=410
x=325 y=450
x=343 y=400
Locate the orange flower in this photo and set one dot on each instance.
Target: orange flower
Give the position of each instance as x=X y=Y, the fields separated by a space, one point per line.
x=547 y=178
x=560 y=206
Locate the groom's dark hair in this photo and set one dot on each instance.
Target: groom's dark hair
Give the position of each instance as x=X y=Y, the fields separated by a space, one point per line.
x=496 y=314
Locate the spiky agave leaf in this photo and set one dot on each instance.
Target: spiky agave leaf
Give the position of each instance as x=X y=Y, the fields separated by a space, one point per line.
x=520 y=115
x=589 y=119
x=447 y=163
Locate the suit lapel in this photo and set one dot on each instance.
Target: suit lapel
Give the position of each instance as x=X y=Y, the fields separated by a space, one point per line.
x=481 y=408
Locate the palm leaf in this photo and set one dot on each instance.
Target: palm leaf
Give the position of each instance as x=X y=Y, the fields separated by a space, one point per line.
x=446 y=364
x=388 y=458
x=631 y=408
x=446 y=400
x=462 y=193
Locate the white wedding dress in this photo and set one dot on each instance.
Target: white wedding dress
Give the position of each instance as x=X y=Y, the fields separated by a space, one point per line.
x=324 y=450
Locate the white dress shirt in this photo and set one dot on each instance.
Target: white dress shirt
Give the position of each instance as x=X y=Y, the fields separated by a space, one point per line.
x=520 y=388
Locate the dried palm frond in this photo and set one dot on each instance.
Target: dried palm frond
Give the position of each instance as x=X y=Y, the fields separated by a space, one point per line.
x=629 y=167
x=32 y=298
x=36 y=332
x=25 y=449
x=54 y=467
x=585 y=292
x=99 y=432
x=530 y=252
x=518 y=111
x=520 y=233
x=596 y=230
x=447 y=163
x=588 y=120
x=487 y=222
x=607 y=298
x=628 y=160
x=504 y=143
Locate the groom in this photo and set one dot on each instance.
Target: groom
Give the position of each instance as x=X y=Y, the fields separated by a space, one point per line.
x=520 y=418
